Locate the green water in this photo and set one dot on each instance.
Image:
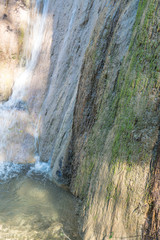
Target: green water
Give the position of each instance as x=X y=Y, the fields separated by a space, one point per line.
x=33 y=208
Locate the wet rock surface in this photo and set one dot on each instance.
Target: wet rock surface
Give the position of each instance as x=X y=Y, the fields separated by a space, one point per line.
x=116 y=124
x=93 y=98
x=73 y=25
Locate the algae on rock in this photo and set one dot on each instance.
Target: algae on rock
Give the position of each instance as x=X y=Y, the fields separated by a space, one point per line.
x=116 y=120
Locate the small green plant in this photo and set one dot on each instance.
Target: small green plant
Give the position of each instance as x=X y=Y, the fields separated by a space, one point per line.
x=111 y=235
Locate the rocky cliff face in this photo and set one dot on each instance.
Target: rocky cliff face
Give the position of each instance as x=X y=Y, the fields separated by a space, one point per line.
x=114 y=152
x=100 y=117
x=73 y=24
x=94 y=90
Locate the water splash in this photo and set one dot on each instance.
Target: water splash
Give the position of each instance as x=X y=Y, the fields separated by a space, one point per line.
x=10 y=170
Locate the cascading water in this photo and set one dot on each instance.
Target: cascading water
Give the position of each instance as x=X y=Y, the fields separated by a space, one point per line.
x=17 y=127
x=31 y=207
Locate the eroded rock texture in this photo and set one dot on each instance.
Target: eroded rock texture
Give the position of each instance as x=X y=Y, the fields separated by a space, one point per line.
x=95 y=93
x=100 y=118
x=73 y=24
x=116 y=124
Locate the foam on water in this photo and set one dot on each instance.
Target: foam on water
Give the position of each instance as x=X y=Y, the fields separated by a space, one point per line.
x=10 y=170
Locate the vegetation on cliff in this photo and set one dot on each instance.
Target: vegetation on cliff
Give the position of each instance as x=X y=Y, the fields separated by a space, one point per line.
x=120 y=144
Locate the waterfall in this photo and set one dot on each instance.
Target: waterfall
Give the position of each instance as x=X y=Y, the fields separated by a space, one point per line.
x=31 y=206
x=17 y=125
x=36 y=38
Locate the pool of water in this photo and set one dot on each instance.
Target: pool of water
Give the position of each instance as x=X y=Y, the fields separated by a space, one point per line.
x=33 y=208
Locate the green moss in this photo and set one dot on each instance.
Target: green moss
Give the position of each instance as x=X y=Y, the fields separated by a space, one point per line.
x=130 y=109
x=138 y=82
x=20 y=40
x=109 y=191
